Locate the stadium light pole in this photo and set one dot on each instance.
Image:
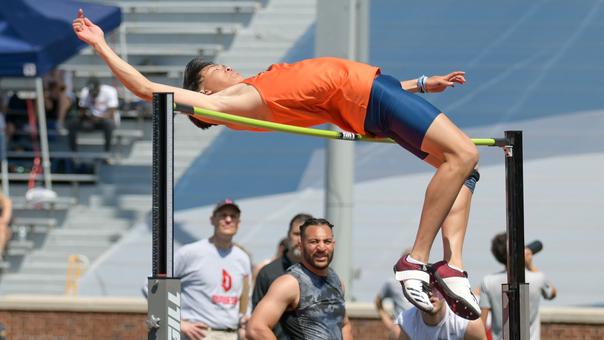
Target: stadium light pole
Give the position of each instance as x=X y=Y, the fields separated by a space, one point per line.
x=341 y=31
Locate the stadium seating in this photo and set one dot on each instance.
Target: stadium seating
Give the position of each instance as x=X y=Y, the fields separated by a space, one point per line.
x=158 y=41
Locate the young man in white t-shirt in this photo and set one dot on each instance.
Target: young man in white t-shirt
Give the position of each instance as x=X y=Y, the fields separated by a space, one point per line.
x=98 y=104
x=439 y=324
x=215 y=279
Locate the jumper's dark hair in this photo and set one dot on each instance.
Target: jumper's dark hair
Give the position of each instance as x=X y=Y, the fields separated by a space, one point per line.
x=313 y=222
x=192 y=81
x=298 y=218
x=499 y=248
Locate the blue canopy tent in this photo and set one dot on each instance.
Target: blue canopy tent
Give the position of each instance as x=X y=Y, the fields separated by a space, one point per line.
x=36 y=36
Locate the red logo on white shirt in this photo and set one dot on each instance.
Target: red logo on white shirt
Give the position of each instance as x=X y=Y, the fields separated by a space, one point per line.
x=227 y=284
x=225 y=300
x=227 y=281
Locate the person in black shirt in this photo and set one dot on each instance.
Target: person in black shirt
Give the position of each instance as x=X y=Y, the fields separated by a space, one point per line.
x=279 y=266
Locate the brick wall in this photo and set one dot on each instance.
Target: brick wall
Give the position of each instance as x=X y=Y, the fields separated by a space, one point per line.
x=28 y=325
x=127 y=326
x=560 y=331
x=365 y=328
x=66 y=318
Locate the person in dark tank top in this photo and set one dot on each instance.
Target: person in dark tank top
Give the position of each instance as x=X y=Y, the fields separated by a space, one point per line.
x=308 y=301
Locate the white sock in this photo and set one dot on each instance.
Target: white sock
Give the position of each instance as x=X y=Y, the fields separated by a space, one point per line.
x=414 y=261
x=456 y=268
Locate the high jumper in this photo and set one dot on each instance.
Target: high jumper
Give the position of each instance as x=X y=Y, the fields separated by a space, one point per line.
x=358 y=98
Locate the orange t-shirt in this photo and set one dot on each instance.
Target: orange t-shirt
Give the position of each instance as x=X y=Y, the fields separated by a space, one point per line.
x=317 y=91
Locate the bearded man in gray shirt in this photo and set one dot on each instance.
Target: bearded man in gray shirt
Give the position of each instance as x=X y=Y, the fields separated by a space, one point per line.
x=310 y=297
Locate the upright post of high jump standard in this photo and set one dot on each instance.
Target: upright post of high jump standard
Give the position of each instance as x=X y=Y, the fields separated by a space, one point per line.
x=163 y=314
x=515 y=293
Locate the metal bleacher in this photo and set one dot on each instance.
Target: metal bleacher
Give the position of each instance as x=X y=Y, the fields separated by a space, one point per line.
x=272 y=31
x=158 y=38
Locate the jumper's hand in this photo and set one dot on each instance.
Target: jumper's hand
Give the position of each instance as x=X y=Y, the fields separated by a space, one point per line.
x=440 y=83
x=86 y=30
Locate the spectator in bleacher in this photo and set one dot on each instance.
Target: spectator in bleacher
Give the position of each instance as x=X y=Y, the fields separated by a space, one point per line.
x=98 y=103
x=215 y=278
x=6 y=213
x=2 y=125
x=16 y=120
x=62 y=77
x=57 y=104
x=490 y=290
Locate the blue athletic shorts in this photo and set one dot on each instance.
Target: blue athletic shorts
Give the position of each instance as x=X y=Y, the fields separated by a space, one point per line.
x=395 y=113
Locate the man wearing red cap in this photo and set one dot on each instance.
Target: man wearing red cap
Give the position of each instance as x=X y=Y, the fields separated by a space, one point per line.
x=214 y=275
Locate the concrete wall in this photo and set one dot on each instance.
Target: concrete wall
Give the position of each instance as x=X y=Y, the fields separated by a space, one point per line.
x=58 y=317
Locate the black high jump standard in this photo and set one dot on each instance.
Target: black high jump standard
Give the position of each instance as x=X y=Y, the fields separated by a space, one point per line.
x=163 y=319
x=163 y=313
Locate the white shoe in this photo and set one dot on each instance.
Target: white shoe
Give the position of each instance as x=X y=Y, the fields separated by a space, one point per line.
x=455 y=287
x=415 y=282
